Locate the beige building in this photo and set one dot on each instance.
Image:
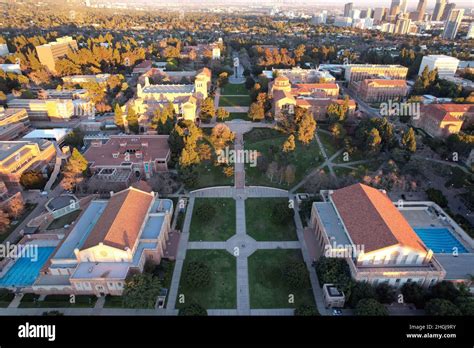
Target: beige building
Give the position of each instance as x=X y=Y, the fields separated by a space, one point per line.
x=49 y=53
x=110 y=240
x=379 y=90
x=359 y=72
x=45 y=109
x=362 y=225
x=13 y=123
x=442 y=120
x=17 y=157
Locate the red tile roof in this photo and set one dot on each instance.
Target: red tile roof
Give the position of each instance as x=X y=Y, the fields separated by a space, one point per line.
x=121 y=221
x=442 y=112
x=372 y=220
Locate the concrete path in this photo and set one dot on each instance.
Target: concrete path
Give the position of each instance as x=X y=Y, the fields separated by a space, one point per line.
x=178 y=267
x=242 y=109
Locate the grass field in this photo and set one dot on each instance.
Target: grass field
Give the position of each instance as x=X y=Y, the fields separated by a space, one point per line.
x=234 y=89
x=222 y=291
x=268 y=288
x=260 y=226
x=243 y=100
x=219 y=228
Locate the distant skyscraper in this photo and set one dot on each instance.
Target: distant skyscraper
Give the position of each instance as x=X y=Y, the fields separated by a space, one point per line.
x=421 y=9
x=379 y=14
x=438 y=10
x=348 y=9
x=394 y=7
x=402 y=25
x=366 y=13
x=470 y=31
x=403 y=6
x=447 y=9
x=452 y=23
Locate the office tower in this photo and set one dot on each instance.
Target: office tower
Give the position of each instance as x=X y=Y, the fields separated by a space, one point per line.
x=420 y=10
x=394 y=7
x=49 y=53
x=447 y=9
x=452 y=24
x=446 y=65
x=438 y=10
x=348 y=9
x=403 y=6
x=354 y=14
x=402 y=25
x=379 y=14
x=366 y=13
x=470 y=31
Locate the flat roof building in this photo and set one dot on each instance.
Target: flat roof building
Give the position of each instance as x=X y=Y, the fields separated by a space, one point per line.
x=45 y=109
x=446 y=65
x=49 y=53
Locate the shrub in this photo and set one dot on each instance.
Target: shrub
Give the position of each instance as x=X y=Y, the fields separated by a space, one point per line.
x=414 y=293
x=197 y=275
x=193 y=309
x=385 y=293
x=369 y=306
x=360 y=291
x=296 y=275
x=441 y=307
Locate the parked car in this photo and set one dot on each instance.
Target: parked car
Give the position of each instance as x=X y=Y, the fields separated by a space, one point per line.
x=336 y=311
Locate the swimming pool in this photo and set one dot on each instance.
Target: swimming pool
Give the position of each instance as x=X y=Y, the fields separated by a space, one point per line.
x=440 y=240
x=26 y=269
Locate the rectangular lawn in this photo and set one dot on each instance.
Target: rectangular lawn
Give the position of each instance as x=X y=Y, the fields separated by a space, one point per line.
x=222 y=291
x=234 y=89
x=220 y=227
x=267 y=285
x=243 y=100
x=260 y=225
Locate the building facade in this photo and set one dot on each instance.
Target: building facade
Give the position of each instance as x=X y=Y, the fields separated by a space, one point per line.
x=379 y=90
x=445 y=65
x=49 y=53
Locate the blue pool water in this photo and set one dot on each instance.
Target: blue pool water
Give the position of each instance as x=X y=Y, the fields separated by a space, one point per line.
x=26 y=269
x=440 y=240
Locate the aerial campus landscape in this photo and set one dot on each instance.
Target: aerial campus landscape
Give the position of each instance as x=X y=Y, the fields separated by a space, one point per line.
x=233 y=159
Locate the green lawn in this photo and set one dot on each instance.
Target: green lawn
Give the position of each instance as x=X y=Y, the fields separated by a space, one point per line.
x=29 y=207
x=57 y=301
x=305 y=158
x=234 y=89
x=210 y=175
x=259 y=222
x=221 y=293
x=5 y=298
x=329 y=143
x=64 y=220
x=243 y=100
x=221 y=227
x=268 y=288
x=238 y=115
x=113 y=302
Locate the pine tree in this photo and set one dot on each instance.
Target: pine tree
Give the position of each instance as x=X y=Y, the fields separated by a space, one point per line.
x=306 y=129
x=289 y=144
x=409 y=141
x=118 y=117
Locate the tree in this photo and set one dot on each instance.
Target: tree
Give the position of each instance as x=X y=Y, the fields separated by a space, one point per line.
x=118 y=116
x=74 y=170
x=437 y=197
x=196 y=275
x=441 y=307
x=204 y=151
x=16 y=207
x=192 y=309
x=413 y=293
x=228 y=171
x=207 y=110
x=385 y=293
x=332 y=270
x=337 y=130
x=296 y=275
x=256 y=112
x=188 y=175
x=445 y=290
x=75 y=138
x=132 y=120
x=409 y=141
x=282 y=213
x=141 y=291
x=4 y=221
x=373 y=141
x=369 y=306
x=32 y=180
x=289 y=144
x=189 y=156
x=305 y=310
x=336 y=112
x=306 y=128
x=221 y=135
x=222 y=114
x=360 y=291
x=290 y=173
